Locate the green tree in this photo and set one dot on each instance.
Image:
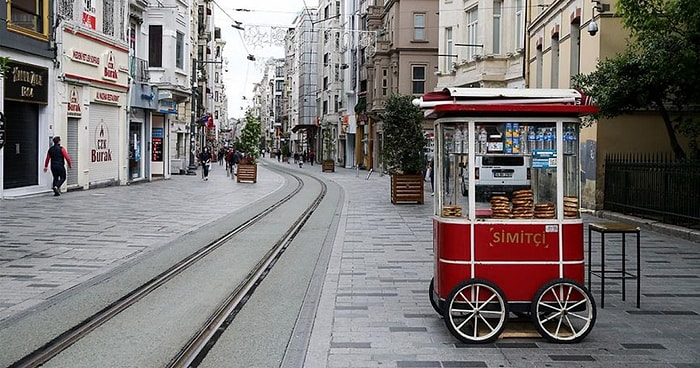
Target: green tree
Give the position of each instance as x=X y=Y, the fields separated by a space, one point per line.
x=658 y=71
x=403 y=136
x=250 y=136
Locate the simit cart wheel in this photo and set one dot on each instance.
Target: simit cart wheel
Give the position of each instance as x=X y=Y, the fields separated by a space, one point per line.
x=563 y=311
x=476 y=311
x=433 y=298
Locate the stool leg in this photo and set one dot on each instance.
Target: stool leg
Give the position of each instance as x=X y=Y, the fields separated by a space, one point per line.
x=589 y=258
x=602 y=270
x=639 y=271
x=624 y=270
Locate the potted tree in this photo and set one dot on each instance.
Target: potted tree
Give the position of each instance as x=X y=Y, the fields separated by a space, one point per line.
x=328 y=164
x=249 y=142
x=404 y=142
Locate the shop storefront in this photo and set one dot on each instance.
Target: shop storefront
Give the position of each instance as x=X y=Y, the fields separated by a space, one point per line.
x=25 y=107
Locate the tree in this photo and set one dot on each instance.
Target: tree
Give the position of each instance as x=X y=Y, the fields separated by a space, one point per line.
x=250 y=136
x=658 y=70
x=403 y=136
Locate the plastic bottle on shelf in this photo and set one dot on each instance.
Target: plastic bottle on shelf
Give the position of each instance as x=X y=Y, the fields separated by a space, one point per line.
x=458 y=140
x=572 y=142
x=531 y=139
x=539 y=139
x=548 y=139
x=483 y=140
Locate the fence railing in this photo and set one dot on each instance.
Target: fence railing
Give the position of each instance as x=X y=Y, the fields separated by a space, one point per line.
x=653 y=186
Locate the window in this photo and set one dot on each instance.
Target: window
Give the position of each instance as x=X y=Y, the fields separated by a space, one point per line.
x=385 y=82
x=419 y=27
x=519 y=24
x=472 y=31
x=29 y=15
x=497 y=9
x=108 y=17
x=555 y=62
x=337 y=8
x=180 y=50
x=325 y=83
x=279 y=85
x=575 y=67
x=449 y=49
x=418 y=79
x=539 y=67
x=155 y=46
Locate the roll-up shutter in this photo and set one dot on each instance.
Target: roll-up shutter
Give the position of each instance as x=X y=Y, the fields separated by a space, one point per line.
x=72 y=148
x=104 y=143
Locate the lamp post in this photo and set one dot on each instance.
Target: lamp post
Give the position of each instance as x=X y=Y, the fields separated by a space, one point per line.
x=193 y=125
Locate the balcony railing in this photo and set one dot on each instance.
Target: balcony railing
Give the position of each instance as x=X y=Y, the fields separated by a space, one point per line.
x=139 y=69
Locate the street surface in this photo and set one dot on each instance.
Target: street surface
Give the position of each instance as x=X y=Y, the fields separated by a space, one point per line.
x=367 y=302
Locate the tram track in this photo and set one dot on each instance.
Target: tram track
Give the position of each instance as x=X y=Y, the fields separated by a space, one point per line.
x=197 y=346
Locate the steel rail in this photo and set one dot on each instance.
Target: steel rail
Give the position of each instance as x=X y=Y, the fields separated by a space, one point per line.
x=52 y=348
x=199 y=345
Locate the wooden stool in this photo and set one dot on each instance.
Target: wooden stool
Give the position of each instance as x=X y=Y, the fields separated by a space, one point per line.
x=613 y=228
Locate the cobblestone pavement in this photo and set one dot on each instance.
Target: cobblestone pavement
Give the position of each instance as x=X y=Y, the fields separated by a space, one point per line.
x=374 y=310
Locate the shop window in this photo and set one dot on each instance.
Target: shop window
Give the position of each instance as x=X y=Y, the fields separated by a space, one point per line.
x=29 y=17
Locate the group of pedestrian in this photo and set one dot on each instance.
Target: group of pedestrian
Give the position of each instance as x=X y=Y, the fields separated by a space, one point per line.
x=233 y=158
x=301 y=157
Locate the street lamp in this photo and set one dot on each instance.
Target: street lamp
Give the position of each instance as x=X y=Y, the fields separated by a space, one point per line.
x=193 y=127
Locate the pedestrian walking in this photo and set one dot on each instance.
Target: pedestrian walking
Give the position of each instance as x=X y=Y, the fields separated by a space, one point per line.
x=58 y=156
x=205 y=160
x=312 y=157
x=237 y=157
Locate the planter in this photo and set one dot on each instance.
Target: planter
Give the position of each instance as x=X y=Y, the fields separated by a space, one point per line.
x=247 y=173
x=407 y=188
x=328 y=166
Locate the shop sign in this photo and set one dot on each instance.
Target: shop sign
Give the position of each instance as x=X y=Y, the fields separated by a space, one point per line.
x=89 y=19
x=27 y=83
x=167 y=106
x=101 y=152
x=84 y=57
x=2 y=130
x=106 y=97
x=74 y=108
x=110 y=71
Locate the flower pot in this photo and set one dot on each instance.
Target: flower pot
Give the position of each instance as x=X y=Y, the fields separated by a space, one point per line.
x=247 y=173
x=406 y=188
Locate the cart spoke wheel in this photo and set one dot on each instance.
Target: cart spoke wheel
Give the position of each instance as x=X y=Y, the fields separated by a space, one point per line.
x=564 y=311
x=434 y=298
x=476 y=311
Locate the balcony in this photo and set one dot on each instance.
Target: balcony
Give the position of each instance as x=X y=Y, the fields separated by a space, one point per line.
x=139 y=69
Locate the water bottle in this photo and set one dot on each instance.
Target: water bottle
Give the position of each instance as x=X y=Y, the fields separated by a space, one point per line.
x=483 y=140
x=567 y=141
x=539 y=138
x=548 y=139
x=573 y=140
x=531 y=139
x=458 y=140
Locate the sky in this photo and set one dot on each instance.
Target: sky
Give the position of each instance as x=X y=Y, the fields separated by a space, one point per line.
x=263 y=18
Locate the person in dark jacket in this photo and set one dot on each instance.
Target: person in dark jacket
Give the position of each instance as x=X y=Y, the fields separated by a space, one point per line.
x=58 y=156
x=205 y=160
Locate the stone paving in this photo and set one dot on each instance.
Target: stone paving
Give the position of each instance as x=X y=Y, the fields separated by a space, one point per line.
x=374 y=310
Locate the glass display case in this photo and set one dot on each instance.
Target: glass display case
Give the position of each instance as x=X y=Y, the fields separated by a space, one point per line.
x=513 y=169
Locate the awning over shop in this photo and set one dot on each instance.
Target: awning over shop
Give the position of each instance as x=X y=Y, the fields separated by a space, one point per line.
x=299 y=127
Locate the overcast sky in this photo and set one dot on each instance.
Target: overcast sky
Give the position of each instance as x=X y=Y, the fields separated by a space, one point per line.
x=263 y=18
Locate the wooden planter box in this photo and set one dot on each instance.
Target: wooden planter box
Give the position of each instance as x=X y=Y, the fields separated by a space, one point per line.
x=328 y=166
x=406 y=188
x=247 y=173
